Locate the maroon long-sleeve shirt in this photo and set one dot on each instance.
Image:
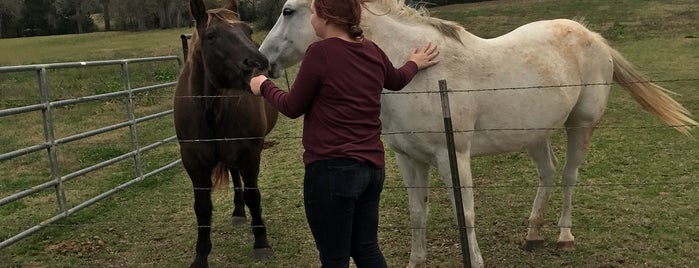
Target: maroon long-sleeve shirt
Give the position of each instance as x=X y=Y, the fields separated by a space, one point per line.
x=338 y=89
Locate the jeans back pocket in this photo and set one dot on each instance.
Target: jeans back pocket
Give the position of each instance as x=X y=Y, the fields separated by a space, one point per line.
x=348 y=181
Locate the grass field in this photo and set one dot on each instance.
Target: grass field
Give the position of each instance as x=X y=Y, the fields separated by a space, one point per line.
x=636 y=203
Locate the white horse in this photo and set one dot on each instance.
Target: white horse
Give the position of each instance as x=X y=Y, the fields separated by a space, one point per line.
x=566 y=72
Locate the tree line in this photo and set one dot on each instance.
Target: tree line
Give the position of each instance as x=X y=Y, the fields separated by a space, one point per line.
x=24 y=18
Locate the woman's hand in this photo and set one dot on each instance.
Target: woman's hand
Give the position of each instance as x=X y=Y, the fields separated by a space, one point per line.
x=255 y=84
x=424 y=56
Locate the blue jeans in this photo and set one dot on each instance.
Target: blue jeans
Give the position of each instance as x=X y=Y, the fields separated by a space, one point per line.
x=341 y=198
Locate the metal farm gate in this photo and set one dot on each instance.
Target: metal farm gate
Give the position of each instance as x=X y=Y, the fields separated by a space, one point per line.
x=51 y=143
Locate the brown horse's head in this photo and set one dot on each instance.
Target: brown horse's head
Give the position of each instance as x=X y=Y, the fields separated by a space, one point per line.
x=225 y=47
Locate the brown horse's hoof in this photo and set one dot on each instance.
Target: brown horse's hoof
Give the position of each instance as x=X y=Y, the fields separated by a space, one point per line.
x=262 y=253
x=566 y=245
x=236 y=221
x=531 y=245
x=199 y=263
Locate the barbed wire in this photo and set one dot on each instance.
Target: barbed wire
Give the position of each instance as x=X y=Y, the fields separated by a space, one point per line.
x=187 y=191
x=473 y=90
x=449 y=227
x=409 y=132
x=549 y=86
x=556 y=185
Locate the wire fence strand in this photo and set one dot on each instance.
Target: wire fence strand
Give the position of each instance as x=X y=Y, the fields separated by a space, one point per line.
x=451 y=90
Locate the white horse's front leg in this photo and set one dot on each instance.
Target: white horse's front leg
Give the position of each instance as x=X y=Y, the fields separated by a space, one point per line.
x=466 y=181
x=416 y=181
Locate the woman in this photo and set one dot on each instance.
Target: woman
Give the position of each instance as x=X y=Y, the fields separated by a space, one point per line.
x=338 y=89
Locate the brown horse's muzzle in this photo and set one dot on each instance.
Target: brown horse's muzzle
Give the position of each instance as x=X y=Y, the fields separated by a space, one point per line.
x=257 y=65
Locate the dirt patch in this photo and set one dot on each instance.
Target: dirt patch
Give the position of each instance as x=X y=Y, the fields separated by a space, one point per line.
x=81 y=247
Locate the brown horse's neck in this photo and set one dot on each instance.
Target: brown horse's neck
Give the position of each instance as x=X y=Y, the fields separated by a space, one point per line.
x=199 y=82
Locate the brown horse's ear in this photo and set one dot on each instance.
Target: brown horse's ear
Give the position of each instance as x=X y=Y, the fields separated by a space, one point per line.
x=198 y=10
x=233 y=5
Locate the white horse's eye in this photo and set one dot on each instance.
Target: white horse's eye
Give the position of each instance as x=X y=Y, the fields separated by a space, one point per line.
x=288 y=12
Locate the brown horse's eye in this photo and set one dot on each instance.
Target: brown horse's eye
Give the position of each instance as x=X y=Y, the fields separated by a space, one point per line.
x=211 y=36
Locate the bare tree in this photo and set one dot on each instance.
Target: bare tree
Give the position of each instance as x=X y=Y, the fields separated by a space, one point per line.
x=182 y=15
x=105 y=15
x=82 y=8
x=141 y=12
x=11 y=9
x=163 y=16
x=130 y=12
x=170 y=12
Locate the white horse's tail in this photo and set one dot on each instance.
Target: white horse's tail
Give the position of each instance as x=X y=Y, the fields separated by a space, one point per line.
x=652 y=97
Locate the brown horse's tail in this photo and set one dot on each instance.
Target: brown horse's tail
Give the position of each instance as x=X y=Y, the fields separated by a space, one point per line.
x=652 y=97
x=219 y=176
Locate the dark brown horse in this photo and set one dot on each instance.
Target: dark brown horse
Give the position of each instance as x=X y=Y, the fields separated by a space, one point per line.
x=220 y=125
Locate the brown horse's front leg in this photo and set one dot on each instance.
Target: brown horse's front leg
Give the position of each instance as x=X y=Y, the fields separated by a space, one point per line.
x=251 y=194
x=202 y=208
x=261 y=247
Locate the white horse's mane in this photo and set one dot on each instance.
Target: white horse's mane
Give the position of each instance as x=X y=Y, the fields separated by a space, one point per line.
x=398 y=9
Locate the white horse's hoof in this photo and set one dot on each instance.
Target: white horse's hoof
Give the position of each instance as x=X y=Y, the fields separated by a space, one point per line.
x=566 y=245
x=413 y=265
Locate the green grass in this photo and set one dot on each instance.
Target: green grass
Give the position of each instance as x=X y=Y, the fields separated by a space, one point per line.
x=616 y=20
x=635 y=204
x=91 y=46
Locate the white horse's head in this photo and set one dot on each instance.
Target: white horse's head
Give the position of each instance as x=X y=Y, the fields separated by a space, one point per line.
x=286 y=43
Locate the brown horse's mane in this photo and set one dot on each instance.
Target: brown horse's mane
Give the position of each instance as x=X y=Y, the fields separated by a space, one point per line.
x=400 y=10
x=224 y=14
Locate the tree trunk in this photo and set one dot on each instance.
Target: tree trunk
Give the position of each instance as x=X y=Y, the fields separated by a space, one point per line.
x=105 y=13
x=141 y=19
x=162 y=15
x=79 y=18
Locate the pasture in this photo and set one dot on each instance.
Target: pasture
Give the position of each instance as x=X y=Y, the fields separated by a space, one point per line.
x=635 y=204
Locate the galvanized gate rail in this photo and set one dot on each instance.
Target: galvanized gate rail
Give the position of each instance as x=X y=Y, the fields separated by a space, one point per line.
x=52 y=143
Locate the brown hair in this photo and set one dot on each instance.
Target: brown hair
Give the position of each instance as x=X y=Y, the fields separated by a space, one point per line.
x=345 y=13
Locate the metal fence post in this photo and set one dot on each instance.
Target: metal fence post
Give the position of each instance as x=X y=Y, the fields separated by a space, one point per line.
x=449 y=132
x=131 y=117
x=185 y=45
x=51 y=140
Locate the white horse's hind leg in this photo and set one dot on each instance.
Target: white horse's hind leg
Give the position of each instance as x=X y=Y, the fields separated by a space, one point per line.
x=466 y=181
x=416 y=181
x=578 y=145
x=546 y=166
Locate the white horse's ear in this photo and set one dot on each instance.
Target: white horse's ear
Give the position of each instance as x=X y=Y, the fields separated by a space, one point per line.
x=233 y=5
